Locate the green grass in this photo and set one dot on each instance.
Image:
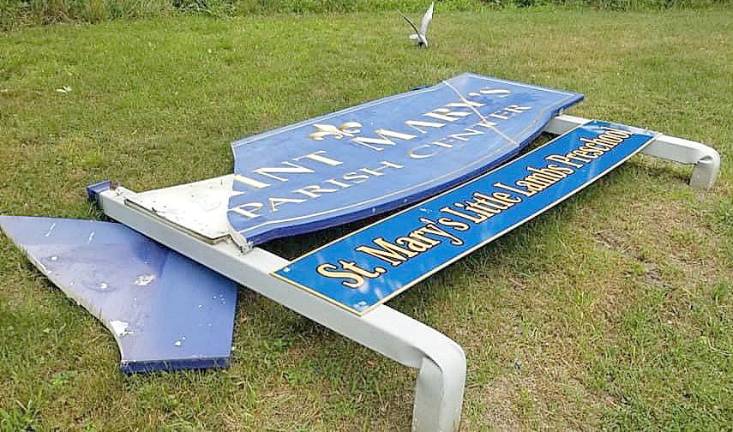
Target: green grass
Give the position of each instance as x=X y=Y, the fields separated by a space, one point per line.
x=20 y=13
x=612 y=311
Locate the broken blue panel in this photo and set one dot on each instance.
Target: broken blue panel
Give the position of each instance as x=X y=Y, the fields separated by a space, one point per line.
x=382 y=155
x=165 y=311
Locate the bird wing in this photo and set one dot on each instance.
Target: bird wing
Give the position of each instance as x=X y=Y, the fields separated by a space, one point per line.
x=412 y=24
x=426 y=19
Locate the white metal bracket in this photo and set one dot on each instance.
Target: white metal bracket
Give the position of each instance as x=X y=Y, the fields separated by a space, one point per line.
x=705 y=159
x=440 y=361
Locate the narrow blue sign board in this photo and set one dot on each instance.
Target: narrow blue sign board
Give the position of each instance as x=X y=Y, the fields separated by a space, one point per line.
x=382 y=155
x=374 y=264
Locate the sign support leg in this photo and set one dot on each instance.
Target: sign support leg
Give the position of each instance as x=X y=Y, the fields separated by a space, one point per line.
x=439 y=392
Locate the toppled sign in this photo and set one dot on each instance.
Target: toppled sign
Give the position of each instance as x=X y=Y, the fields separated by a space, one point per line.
x=434 y=147
x=376 y=263
x=361 y=161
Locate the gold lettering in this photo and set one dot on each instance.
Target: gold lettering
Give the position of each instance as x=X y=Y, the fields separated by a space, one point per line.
x=490 y=201
x=289 y=168
x=317 y=157
x=502 y=93
x=330 y=271
x=413 y=153
x=313 y=191
x=354 y=267
x=446 y=114
x=479 y=209
x=513 y=189
x=276 y=202
x=337 y=183
x=563 y=160
x=463 y=215
x=248 y=210
x=389 y=252
x=541 y=179
x=432 y=228
x=384 y=139
x=532 y=187
x=517 y=109
x=355 y=177
x=418 y=124
x=414 y=244
x=456 y=225
x=250 y=182
x=469 y=133
x=505 y=197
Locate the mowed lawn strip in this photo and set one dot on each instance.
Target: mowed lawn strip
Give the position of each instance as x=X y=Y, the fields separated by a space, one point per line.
x=613 y=310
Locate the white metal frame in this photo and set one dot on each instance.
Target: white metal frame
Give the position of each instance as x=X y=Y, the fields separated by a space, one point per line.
x=441 y=361
x=705 y=159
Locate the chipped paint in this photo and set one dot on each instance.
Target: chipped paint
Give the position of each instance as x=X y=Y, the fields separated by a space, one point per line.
x=120 y=328
x=144 y=280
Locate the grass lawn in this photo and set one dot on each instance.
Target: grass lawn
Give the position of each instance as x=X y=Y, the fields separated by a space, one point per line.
x=612 y=311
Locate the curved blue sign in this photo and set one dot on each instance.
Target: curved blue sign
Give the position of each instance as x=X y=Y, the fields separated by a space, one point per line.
x=382 y=155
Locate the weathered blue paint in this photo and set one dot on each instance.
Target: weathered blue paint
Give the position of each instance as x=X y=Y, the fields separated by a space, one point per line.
x=382 y=155
x=372 y=265
x=165 y=311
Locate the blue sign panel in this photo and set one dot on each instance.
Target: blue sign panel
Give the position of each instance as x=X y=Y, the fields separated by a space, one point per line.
x=382 y=155
x=378 y=262
x=166 y=312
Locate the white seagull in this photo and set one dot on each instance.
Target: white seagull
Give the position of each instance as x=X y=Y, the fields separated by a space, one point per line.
x=421 y=35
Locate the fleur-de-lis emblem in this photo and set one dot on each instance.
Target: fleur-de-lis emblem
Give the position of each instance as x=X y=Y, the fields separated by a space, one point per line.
x=348 y=129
